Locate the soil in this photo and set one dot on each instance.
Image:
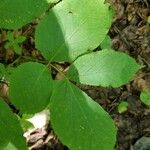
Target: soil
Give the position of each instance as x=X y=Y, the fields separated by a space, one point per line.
x=130 y=33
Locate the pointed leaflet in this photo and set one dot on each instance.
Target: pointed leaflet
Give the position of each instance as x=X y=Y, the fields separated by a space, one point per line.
x=30 y=87
x=105 y=68
x=16 y=13
x=79 y=122
x=10 y=129
x=71 y=28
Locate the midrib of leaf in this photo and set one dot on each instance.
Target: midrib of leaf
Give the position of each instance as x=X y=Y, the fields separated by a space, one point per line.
x=73 y=33
x=81 y=65
x=38 y=78
x=70 y=104
x=82 y=110
x=77 y=101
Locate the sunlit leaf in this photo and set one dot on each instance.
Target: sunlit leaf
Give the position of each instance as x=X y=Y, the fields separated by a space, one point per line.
x=105 y=68
x=72 y=28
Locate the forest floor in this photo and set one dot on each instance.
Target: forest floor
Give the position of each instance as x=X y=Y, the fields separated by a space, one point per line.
x=130 y=33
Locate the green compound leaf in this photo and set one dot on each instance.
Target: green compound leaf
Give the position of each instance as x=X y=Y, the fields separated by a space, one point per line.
x=10 y=36
x=79 y=122
x=17 y=48
x=105 y=68
x=10 y=129
x=20 y=39
x=71 y=29
x=16 y=13
x=13 y=42
x=30 y=87
x=145 y=98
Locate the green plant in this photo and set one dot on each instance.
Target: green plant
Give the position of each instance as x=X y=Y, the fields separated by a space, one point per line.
x=68 y=32
x=122 y=107
x=13 y=42
x=10 y=129
x=145 y=98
